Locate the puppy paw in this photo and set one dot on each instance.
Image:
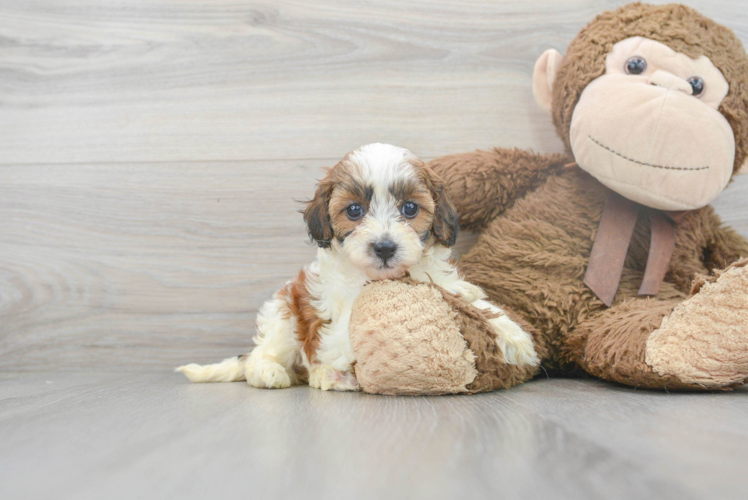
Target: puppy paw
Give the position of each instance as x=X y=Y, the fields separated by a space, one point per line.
x=514 y=342
x=267 y=374
x=327 y=378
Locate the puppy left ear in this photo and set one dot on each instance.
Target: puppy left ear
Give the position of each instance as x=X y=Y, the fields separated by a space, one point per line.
x=317 y=215
x=445 y=226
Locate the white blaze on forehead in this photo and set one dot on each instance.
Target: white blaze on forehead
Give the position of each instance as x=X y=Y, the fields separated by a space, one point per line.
x=381 y=166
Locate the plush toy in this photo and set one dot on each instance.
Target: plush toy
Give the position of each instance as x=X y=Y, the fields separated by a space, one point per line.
x=411 y=337
x=610 y=252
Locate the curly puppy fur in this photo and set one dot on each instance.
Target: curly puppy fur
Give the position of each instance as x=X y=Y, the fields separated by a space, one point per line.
x=378 y=214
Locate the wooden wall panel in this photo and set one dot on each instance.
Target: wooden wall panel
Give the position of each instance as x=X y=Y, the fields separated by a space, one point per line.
x=195 y=80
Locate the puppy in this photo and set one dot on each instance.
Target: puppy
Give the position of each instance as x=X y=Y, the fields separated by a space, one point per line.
x=377 y=214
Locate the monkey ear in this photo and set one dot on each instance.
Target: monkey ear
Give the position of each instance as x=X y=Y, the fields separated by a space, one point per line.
x=317 y=215
x=445 y=226
x=546 y=68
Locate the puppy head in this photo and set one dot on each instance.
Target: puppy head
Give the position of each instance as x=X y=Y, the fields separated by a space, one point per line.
x=381 y=207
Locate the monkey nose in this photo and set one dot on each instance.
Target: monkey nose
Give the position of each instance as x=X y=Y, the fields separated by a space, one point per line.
x=670 y=81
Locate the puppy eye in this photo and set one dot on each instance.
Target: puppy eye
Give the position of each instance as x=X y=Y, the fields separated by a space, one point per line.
x=354 y=212
x=635 y=65
x=409 y=209
x=697 y=84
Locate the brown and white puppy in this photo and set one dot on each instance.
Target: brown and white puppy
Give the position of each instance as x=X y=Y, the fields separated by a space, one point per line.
x=379 y=213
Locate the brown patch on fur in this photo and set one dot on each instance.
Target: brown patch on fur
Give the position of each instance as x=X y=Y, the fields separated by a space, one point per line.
x=325 y=213
x=341 y=199
x=308 y=323
x=342 y=187
x=316 y=214
x=445 y=224
x=414 y=191
x=677 y=26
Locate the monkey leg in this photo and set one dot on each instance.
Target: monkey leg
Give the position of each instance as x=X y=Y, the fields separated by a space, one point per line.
x=700 y=343
x=416 y=338
x=704 y=340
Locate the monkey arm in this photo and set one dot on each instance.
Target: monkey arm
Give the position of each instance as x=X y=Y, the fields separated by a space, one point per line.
x=485 y=183
x=724 y=247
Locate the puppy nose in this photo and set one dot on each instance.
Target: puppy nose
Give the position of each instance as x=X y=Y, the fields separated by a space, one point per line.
x=385 y=249
x=670 y=81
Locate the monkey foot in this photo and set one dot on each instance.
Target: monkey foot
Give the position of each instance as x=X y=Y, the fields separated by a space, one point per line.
x=704 y=341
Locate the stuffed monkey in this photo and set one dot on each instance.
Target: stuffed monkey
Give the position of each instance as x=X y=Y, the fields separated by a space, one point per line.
x=610 y=252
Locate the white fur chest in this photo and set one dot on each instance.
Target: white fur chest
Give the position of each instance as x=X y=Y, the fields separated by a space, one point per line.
x=334 y=283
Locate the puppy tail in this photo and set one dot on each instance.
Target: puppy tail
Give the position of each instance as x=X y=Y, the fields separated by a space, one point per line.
x=228 y=370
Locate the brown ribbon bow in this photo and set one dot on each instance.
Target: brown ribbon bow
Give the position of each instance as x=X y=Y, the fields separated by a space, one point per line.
x=612 y=242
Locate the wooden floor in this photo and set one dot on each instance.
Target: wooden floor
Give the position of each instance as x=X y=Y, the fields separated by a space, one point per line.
x=154 y=436
x=150 y=156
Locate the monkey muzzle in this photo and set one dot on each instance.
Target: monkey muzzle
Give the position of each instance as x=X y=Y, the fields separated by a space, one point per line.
x=650 y=140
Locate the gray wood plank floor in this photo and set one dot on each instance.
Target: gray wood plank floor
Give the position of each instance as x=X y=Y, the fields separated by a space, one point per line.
x=153 y=435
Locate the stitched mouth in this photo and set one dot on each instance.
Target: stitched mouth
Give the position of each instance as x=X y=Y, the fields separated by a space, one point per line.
x=664 y=167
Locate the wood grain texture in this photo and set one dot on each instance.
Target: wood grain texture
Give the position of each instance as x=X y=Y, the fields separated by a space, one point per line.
x=112 y=264
x=151 y=436
x=189 y=80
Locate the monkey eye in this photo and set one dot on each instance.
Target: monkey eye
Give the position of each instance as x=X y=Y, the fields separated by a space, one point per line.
x=635 y=65
x=697 y=84
x=409 y=209
x=354 y=211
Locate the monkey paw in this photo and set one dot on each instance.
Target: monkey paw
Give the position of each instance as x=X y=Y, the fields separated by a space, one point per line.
x=704 y=341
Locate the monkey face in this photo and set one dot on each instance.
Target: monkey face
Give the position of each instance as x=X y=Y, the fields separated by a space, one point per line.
x=649 y=128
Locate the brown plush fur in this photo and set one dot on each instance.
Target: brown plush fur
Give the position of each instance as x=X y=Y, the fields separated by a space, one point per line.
x=300 y=306
x=538 y=220
x=538 y=216
x=532 y=259
x=677 y=26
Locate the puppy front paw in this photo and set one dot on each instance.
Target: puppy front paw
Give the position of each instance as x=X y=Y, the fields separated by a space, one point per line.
x=514 y=342
x=267 y=374
x=327 y=378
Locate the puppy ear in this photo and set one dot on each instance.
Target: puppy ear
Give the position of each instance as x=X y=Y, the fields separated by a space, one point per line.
x=445 y=226
x=317 y=215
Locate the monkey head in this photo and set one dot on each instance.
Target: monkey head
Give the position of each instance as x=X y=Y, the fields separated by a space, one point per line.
x=653 y=102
